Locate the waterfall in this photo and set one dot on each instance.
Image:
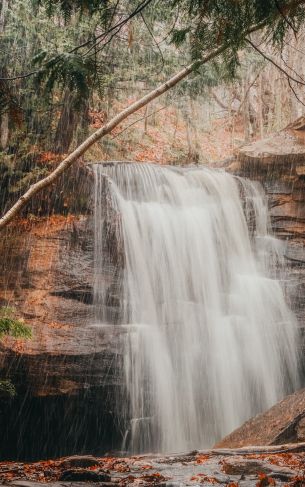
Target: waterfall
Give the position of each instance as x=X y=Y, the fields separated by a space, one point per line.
x=210 y=340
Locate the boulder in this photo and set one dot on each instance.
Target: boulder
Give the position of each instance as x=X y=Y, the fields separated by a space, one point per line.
x=283 y=423
x=276 y=155
x=79 y=461
x=243 y=466
x=83 y=475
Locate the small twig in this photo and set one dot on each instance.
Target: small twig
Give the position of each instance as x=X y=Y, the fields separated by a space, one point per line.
x=294 y=92
x=285 y=18
x=292 y=69
x=274 y=63
x=20 y=76
x=247 y=91
x=117 y=27
x=153 y=38
x=139 y=120
x=171 y=29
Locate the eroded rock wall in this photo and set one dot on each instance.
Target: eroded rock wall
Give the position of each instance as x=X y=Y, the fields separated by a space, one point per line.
x=68 y=377
x=278 y=163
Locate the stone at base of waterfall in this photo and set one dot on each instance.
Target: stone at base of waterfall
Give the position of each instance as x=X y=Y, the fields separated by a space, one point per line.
x=83 y=475
x=283 y=423
x=243 y=466
x=79 y=461
x=248 y=467
x=27 y=483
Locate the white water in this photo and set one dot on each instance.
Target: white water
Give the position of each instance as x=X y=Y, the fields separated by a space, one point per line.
x=211 y=341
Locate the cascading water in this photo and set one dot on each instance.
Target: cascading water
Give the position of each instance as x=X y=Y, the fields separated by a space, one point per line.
x=210 y=340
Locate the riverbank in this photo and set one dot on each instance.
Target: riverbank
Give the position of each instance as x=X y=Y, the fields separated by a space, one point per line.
x=253 y=466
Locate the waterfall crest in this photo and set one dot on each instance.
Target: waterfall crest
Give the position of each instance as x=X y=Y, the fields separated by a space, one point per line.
x=210 y=340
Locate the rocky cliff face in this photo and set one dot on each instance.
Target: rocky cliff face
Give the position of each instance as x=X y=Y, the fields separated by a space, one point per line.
x=50 y=284
x=68 y=377
x=278 y=163
x=283 y=423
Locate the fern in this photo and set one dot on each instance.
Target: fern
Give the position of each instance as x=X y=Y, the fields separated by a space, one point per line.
x=7 y=388
x=11 y=326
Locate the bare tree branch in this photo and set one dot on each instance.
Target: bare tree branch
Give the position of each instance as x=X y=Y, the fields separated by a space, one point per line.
x=290 y=79
x=155 y=42
x=294 y=92
x=285 y=17
x=274 y=63
x=219 y=101
x=117 y=27
x=248 y=90
x=139 y=120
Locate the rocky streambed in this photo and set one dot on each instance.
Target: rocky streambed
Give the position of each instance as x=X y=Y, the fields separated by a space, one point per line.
x=257 y=467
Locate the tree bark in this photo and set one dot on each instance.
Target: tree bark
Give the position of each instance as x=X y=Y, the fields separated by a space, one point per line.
x=66 y=125
x=4 y=117
x=3 y=11
x=4 y=130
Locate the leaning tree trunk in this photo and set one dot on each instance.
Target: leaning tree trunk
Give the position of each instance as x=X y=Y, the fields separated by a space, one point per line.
x=101 y=132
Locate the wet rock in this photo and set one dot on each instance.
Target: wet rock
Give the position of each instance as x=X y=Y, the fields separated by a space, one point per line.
x=279 y=154
x=69 y=372
x=82 y=475
x=247 y=467
x=243 y=467
x=278 y=163
x=283 y=423
x=49 y=282
x=300 y=429
x=79 y=461
x=25 y=483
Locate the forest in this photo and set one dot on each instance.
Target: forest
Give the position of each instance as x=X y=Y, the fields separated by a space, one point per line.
x=152 y=200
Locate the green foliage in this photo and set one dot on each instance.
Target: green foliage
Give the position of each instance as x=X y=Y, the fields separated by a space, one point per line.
x=179 y=36
x=7 y=388
x=70 y=7
x=211 y=24
x=11 y=326
x=69 y=70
